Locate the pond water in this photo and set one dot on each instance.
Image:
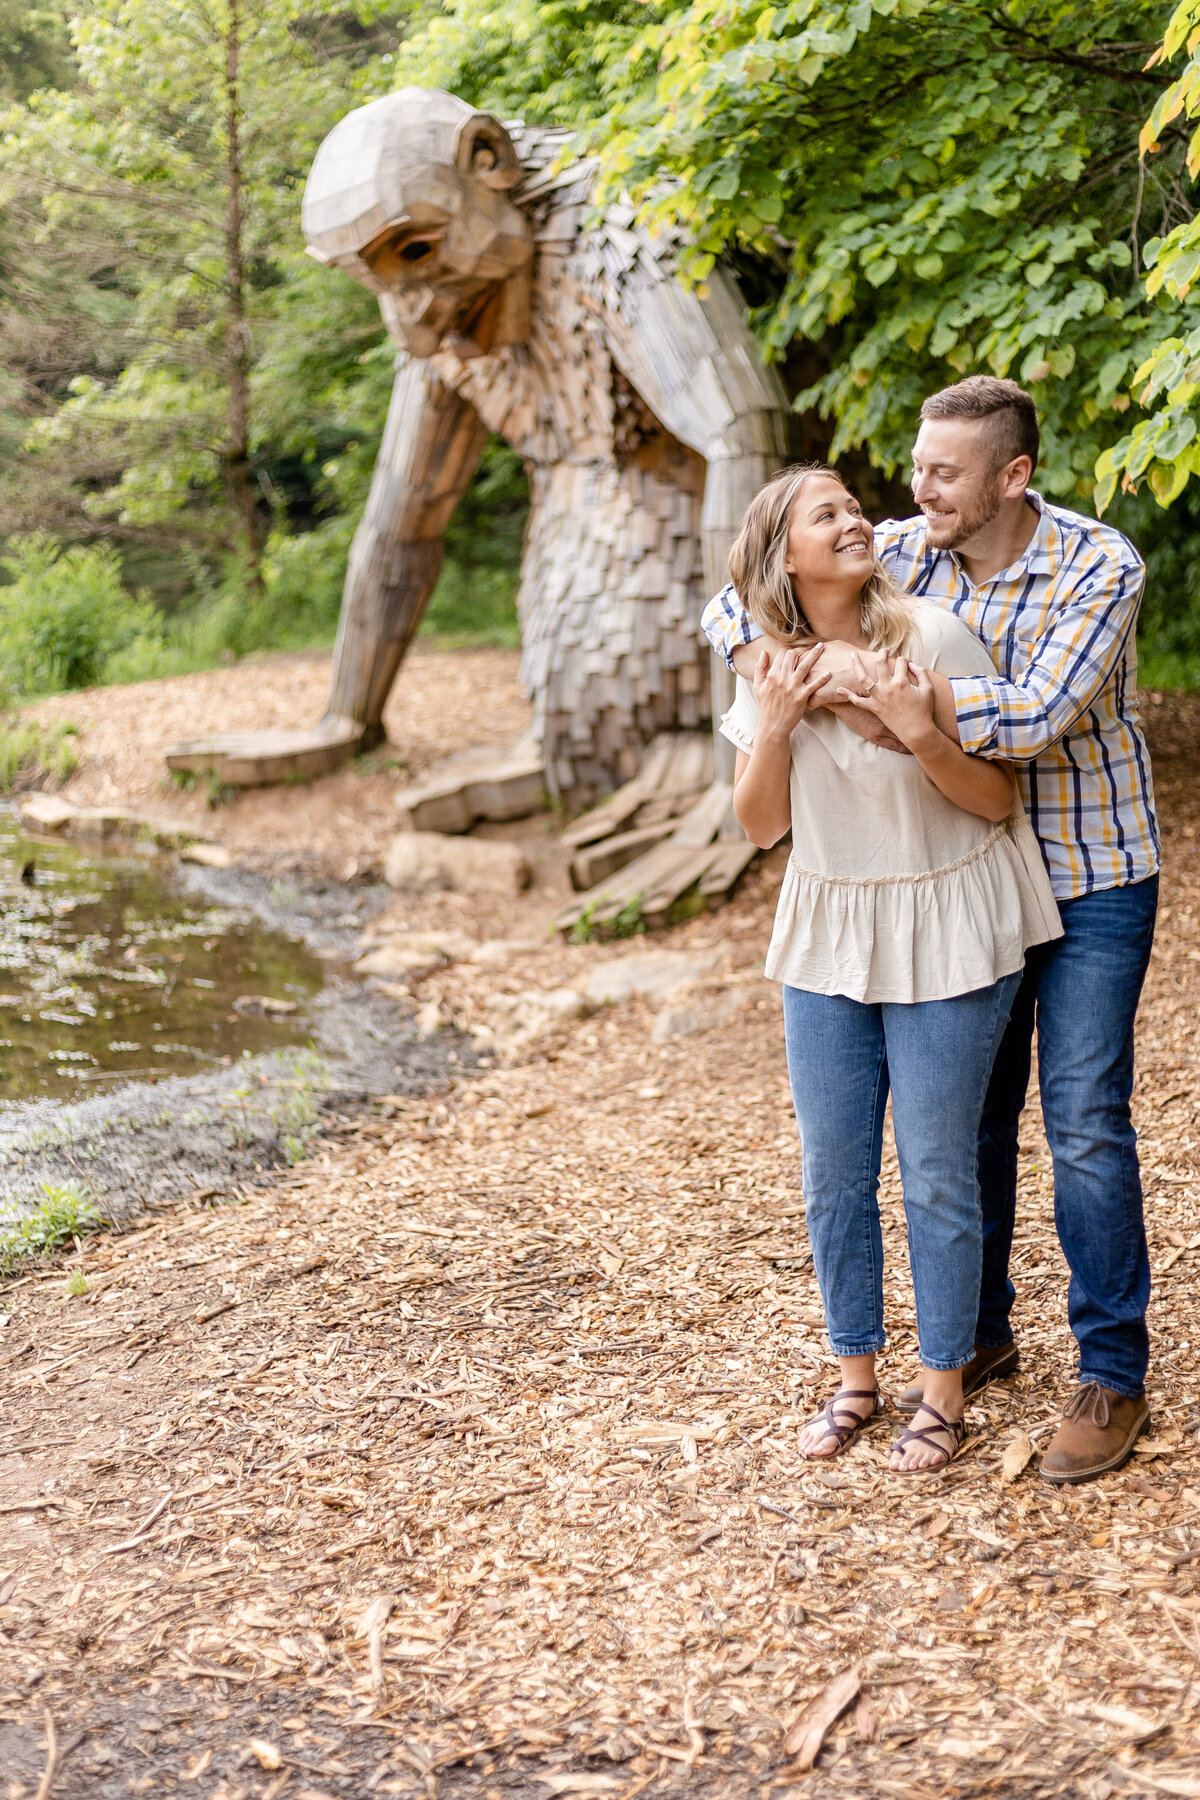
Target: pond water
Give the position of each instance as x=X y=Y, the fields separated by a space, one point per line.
x=109 y=971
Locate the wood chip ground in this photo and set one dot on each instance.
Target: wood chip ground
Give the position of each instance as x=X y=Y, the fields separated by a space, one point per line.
x=460 y=1460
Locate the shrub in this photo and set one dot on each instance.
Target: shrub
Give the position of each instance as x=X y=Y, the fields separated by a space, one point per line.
x=64 y=614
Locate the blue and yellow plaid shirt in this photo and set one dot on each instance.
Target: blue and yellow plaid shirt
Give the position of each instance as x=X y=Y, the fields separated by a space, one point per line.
x=1059 y=624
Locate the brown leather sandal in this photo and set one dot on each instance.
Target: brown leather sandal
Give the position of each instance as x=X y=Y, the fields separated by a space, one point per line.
x=845 y=1429
x=919 y=1434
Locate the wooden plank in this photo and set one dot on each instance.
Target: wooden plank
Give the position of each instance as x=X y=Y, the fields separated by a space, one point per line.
x=662 y=808
x=486 y=782
x=612 y=813
x=608 y=817
x=690 y=867
x=596 y=862
x=733 y=856
x=704 y=820
x=656 y=879
x=652 y=874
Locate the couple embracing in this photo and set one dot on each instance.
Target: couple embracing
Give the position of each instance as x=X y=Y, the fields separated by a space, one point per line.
x=943 y=712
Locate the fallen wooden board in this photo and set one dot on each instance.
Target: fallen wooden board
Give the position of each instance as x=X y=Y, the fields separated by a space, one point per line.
x=655 y=880
x=483 y=783
x=595 y=863
x=675 y=764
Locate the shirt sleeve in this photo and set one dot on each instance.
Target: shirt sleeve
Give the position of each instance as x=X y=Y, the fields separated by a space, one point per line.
x=740 y=723
x=1068 y=666
x=726 y=623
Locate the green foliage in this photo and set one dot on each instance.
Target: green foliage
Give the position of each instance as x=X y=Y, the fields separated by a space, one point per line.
x=475 y=599
x=627 y=923
x=63 y=1213
x=1162 y=450
x=34 y=755
x=64 y=614
x=914 y=188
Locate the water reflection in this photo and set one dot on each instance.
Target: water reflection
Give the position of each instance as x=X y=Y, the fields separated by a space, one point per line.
x=107 y=970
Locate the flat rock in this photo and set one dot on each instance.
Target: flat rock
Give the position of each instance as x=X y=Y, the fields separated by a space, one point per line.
x=47 y=811
x=209 y=856
x=698 y=1015
x=494 y=953
x=412 y=952
x=517 y=1021
x=425 y=860
x=653 y=974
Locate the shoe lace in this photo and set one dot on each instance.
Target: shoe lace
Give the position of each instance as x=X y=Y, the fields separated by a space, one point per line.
x=1090 y=1401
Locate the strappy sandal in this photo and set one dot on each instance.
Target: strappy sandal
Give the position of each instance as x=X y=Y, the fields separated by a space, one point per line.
x=845 y=1429
x=919 y=1434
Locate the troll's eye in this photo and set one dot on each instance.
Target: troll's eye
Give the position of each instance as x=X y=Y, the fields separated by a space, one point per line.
x=417 y=251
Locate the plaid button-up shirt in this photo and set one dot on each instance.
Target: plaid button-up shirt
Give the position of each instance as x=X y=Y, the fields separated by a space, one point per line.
x=1059 y=624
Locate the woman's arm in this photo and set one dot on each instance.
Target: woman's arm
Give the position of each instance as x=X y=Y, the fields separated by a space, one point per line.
x=903 y=697
x=762 y=780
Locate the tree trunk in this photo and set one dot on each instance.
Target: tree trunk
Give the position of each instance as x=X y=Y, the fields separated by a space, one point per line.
x=239 y=476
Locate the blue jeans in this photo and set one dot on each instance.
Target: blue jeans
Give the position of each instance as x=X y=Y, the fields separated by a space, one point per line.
x=1082 y=992
x=936 y=1056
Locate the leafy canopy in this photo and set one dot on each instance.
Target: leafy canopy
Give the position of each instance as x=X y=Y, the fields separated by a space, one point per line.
x=922 y=187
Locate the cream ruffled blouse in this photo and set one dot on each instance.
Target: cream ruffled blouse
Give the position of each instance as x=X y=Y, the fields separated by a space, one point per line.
x=893 y=893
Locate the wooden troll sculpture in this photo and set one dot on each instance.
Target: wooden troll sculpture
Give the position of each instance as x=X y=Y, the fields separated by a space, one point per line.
x=642 y=411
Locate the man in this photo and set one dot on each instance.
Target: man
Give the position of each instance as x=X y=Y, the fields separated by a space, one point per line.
x=1054 y=598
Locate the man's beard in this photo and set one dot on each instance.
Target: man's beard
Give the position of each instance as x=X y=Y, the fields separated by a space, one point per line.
x=986 y=505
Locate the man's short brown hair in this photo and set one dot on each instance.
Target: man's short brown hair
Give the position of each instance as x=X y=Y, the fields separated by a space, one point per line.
x=1009 y=410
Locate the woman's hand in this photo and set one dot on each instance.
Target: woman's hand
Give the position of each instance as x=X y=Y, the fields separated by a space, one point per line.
x=903 y=697
x=784 y=689
x=899 y=694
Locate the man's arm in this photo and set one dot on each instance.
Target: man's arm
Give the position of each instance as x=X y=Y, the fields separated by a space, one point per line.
x=1015 y=721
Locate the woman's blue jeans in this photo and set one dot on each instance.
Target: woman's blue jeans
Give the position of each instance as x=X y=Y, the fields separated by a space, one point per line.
x=936 y=1057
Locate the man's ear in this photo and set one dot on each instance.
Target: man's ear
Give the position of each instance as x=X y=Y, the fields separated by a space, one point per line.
x=1016 y=477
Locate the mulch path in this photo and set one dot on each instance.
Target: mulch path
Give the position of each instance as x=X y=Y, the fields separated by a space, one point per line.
x=459 y=1461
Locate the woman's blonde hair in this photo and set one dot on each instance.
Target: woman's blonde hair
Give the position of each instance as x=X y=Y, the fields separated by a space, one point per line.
x=757 y=568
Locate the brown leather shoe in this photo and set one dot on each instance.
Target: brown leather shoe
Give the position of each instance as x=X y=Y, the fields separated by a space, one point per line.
x=1098 y=1432
x=991 y=1362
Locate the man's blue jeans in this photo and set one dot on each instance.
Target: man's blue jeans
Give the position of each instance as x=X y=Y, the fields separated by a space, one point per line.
x=936 y=1056
x=1082 y=993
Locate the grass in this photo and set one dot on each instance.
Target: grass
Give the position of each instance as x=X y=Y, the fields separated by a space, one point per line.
x=1168 y=670
x=628 y=923
x=34 y=755
x=59 y=1218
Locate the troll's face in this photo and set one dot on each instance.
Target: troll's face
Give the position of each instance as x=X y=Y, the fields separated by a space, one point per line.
x=408 y=195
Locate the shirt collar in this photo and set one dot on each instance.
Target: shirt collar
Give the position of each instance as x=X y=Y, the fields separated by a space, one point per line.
x=1042 y=552
x=1041 y=555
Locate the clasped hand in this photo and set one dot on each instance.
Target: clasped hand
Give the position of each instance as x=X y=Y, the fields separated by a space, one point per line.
x=899 y=694
x=785 y=688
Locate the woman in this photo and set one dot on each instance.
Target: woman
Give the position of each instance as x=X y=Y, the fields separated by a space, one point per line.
x=913 y=889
